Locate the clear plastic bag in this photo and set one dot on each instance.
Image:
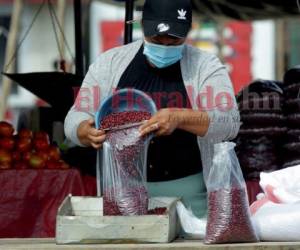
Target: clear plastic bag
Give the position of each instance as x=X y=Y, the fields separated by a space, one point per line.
x=124 y=173
x=228 y=207
x=121 y=164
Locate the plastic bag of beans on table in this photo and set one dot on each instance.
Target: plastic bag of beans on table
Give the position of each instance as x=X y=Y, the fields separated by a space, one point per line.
x=124 y=166
x=228 y=208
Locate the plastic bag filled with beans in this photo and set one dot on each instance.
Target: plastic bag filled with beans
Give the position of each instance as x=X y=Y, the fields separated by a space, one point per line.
x=124 y=160
x=228 y=207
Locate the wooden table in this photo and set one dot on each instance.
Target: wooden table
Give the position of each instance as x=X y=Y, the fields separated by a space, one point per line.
x=49 y=244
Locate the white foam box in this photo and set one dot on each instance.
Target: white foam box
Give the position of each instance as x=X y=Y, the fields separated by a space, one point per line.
x=80 y=220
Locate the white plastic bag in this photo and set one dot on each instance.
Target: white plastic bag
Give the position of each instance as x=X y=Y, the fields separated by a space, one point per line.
x=192 y=226
x=278 y=222
x=276 y=213
x=282 y=186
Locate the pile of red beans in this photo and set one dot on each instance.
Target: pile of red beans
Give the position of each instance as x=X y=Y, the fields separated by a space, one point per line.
x=122 y=118
x=126 y=202
x=113 y=208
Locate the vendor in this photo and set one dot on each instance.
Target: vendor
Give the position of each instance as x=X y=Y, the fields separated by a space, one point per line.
x=192 y=92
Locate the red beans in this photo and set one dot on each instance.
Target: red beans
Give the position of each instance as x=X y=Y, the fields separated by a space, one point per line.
x=113 y=207
x=125 y=192
x=158 y=211
x=110 y=206
x=119 y=119
x=228 y=217
x=127 y=202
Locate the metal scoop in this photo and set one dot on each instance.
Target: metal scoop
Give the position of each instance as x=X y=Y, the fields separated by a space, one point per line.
x=126 y=126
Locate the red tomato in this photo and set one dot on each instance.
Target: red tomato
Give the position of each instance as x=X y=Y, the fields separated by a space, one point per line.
x=7 y=143
x=41 y=135
x=26 y=156
x=44 y=155
x=25 y=133
x=54 y=153
x=37 y=161
x=40 y=144
x=5 y=157
x=23 y=145
x=6 y=129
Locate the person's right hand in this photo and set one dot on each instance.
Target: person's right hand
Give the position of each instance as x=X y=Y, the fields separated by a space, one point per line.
x=89 y=136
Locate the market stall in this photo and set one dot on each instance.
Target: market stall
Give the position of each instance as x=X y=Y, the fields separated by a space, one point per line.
x=35 y=186
x=34 y=181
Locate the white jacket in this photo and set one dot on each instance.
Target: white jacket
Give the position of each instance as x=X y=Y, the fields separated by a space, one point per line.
x=199 y=71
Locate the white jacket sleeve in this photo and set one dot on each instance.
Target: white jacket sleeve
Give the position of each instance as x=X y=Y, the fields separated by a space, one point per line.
x=88 y=99
x=222 y=108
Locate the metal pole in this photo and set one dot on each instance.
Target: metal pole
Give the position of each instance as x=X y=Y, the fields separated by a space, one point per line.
x=280 y=37
x=61 y=9
x=10 y=49
x=129 y=7
x=78 y=38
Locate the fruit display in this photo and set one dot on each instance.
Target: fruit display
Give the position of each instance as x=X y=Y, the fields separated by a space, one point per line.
x=25 y=149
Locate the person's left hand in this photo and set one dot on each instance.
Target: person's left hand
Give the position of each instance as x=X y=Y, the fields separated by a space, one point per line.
x=164 y=122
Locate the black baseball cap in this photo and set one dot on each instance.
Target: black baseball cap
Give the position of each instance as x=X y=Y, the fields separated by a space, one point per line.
x=171 y=17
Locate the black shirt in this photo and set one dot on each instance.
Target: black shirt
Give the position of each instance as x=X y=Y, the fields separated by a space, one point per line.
x=177 y=155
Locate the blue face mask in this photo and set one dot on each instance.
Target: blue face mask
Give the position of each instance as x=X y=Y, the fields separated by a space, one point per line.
x=163 y=56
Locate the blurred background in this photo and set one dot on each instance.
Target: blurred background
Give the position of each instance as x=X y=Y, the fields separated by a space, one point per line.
x=261 y=42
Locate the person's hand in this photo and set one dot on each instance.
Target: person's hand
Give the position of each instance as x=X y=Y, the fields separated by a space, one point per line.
x=89 y=135
x=164 y=122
